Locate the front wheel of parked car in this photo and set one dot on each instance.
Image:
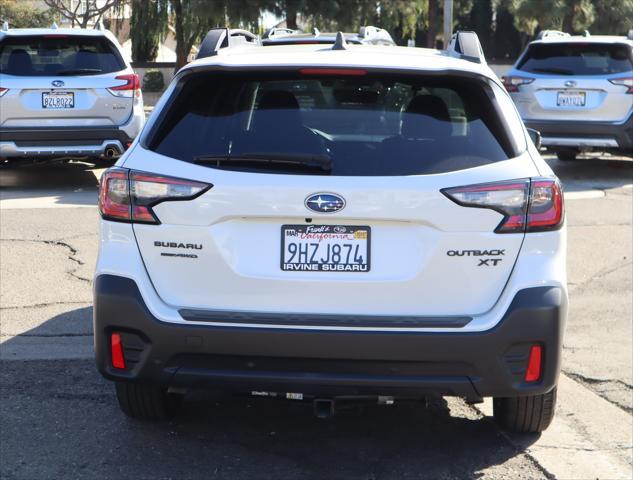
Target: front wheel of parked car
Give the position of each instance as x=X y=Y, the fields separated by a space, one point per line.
x=531 y=414
x=566 y=155
x=146 y=402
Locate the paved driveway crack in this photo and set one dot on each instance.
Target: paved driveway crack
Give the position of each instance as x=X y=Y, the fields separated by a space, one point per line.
x=72 y=256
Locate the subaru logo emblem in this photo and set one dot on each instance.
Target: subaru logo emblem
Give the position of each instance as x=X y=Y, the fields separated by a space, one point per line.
x=57 y=83
x=570 y=83
x=325 y=203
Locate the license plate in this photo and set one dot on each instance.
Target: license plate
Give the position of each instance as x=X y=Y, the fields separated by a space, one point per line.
x=325 y=248
x=571 y=99
x=58 y=100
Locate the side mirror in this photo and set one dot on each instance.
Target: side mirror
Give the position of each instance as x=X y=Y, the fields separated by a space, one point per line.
x=535 y=136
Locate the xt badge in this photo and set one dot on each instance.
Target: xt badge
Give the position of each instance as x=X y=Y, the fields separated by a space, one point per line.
x=486 y=262
x=483 y=262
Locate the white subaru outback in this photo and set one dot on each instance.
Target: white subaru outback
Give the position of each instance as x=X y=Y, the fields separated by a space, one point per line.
x=316 y=222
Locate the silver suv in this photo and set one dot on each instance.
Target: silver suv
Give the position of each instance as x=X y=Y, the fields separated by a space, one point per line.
x=66 y=93
x=577 y=91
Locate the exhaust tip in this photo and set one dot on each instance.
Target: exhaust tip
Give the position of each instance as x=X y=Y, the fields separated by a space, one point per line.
x=111 y=152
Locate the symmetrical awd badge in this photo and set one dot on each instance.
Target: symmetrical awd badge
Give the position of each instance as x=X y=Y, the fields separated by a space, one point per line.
x=325 y=203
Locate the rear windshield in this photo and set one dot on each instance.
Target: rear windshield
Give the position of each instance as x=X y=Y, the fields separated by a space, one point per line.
x=58 y=55
x=361 y=125
x=577 y=59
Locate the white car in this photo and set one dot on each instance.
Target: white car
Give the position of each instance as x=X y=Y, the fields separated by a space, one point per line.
x=354 y=221
x=64 y=94
x=577 y=91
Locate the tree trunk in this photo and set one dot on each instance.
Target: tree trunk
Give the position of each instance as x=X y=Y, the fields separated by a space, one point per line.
x=181 y=48
x=291 y=13
x=431 y=33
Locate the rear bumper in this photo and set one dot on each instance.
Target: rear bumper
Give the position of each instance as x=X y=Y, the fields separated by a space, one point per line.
x=577 y=134
x=62 y=142
x=328 y=362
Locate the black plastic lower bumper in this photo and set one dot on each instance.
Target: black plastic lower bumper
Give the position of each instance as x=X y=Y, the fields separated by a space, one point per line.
x=63 y=135
x=326 y=362
x=621 y=132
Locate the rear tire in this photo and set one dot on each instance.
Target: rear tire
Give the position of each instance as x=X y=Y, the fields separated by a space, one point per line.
x=146 y=402
x=525 y=414
x=566 y=155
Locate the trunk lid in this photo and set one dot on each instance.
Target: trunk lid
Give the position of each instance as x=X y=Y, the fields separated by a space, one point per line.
x=223 y=249
x=578 y=98
x=80 y=100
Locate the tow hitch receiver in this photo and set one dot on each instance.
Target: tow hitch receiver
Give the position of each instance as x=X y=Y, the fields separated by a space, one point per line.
x=324 y=407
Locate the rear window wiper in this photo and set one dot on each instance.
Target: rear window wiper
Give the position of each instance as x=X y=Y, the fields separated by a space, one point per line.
x=317 y=162
x=80 y=71
x=560 y=71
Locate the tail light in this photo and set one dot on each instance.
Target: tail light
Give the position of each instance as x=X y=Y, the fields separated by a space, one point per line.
x=131 y=88
x=624 y=81
x=3 y=91
x=526 y=205
x=512 y=84
x=128 y=196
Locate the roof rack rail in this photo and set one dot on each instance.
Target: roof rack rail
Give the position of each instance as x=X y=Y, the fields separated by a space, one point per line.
x=218 y=38
x=465 y=45
x=279 y=32
x=550 y=34
x=369 y=31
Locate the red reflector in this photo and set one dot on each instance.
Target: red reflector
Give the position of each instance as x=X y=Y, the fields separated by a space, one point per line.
x=117 y=351
x=332 y=71
x=533 y=372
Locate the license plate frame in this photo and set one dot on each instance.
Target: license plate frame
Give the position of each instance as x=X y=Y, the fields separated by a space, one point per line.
x=353 y=235
x=65 y=105
x=569 y=96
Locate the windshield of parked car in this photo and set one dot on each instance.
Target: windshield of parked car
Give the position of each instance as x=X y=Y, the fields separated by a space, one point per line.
x=577 y=59
x=362 y=123
x=55 y=55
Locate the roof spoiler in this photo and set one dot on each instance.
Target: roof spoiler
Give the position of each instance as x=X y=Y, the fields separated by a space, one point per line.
x=219 y=38
x=465 y=45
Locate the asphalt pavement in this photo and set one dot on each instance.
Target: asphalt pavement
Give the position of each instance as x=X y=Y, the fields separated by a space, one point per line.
x=59 y=418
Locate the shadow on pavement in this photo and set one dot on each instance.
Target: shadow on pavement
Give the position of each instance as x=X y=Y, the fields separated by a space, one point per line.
x=597 y=173
x=60 y=419
x=70 y=183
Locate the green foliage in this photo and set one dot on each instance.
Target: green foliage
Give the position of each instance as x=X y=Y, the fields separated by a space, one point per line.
x=22 y=14
x=506 y=39
x=480 y=19
x=613 y=16
x=153 y=81
x=503 y=34
x=567 y=15
x=148 y=26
